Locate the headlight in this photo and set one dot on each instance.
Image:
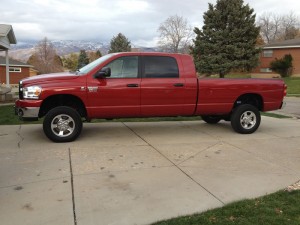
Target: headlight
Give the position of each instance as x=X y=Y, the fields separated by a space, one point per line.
x=32 y=92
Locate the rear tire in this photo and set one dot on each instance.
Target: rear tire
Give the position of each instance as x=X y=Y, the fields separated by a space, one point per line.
x=211 y=119
x=62 y=124
x=245 y=119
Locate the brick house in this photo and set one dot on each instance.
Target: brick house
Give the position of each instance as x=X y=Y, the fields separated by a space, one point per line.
x=17 y=70
x=278 y=50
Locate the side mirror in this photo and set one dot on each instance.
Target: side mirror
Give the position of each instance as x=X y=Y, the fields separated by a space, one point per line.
x=104 y=72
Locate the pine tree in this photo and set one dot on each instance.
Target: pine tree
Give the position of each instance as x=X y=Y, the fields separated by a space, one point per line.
x=94 y=55
x=82 y=59
x=71 y=62
x=119 y=44
x=227 y=39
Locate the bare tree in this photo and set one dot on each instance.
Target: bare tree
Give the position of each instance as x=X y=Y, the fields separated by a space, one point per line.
x=175 y=34
x=290 y=25
x=45 y=59
x=274 y=27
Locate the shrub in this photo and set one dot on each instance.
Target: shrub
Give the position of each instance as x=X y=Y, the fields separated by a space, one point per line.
x=283 y=66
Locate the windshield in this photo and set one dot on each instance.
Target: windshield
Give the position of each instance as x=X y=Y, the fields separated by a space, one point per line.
x=93 y=64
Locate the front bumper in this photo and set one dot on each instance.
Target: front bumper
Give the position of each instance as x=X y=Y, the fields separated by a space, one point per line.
x=27 y=110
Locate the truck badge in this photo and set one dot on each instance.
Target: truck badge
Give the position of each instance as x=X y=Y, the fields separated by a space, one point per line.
x=93 y=89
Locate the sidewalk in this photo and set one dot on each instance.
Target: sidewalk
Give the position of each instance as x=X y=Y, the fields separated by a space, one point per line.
x=138 y=173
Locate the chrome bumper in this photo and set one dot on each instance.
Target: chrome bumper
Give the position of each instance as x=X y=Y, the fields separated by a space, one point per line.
x=27 y=113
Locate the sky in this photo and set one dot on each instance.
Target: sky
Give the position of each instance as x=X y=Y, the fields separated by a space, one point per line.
x=100 y=20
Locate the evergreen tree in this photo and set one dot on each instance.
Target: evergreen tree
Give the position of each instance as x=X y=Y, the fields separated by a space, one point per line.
x=227 y=39
x=119 y=44
x=82 y=59
x=94 y=55
x=71 y=62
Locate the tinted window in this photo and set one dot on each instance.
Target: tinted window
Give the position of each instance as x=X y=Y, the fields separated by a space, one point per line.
x=160 y=67
x=124 y=67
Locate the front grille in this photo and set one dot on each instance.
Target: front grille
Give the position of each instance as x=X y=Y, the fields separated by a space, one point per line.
x=20 y=90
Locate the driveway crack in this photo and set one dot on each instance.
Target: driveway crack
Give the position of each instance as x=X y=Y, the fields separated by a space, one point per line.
x=18 y=132
x=72 y=188
x=177 y=166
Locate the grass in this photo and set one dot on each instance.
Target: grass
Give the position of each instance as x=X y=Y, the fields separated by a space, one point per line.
x=274 y=115
x=281 y=208
x=293 y=84
x=8 y=117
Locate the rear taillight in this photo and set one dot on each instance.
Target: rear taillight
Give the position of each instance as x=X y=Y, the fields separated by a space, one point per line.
x=285 y=90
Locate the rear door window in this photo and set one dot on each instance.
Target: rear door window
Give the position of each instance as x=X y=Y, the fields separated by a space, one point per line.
x=160 y=67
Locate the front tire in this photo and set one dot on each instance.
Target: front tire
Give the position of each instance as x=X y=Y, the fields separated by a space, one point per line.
x=62 y=124
x=245 y=119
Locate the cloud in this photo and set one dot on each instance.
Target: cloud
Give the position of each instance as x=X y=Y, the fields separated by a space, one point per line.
x=102 y=19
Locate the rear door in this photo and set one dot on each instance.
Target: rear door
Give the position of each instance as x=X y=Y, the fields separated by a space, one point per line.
x=162 y=88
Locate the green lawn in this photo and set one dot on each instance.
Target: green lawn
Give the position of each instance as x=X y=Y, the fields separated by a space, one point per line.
x=293 y=85
x=7 y=116
x=281 y=208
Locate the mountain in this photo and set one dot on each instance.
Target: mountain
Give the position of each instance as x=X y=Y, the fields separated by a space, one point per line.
x=23 y=50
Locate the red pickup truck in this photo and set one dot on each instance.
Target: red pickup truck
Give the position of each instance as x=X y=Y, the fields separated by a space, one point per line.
x=123 y=85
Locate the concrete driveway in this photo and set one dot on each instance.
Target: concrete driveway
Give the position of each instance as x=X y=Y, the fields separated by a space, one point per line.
x=139 y=173
x=292 y=107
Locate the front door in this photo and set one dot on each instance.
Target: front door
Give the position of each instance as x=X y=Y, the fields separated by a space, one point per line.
x=118 y=95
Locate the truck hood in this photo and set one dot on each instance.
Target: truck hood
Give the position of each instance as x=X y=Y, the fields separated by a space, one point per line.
x=47 y=78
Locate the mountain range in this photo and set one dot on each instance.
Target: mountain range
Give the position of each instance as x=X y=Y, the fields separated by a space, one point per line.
x=23 y=50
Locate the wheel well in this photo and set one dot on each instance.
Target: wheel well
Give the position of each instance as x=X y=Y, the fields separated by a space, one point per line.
x=251 y=99
x=63 y=100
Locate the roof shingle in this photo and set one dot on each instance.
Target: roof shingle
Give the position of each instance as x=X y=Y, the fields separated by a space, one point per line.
x=13 y=62
x=295 y=43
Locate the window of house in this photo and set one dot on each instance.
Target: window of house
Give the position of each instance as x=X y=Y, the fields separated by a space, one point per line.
x=160 y=67
x=15 y=69
x=265 y=70
x=268 y=53
x=124 y=67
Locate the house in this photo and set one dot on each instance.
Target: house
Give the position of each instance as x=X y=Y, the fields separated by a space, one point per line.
x=17 y=70
x=277 y=50
x=7 y=37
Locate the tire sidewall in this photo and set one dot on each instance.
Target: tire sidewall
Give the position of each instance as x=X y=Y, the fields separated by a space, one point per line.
x=236 y=115
x=58 y=111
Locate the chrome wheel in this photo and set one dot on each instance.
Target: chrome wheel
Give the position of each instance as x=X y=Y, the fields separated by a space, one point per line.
x=248 y=120
x=62 y=125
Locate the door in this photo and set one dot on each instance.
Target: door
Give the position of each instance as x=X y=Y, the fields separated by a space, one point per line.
x=118 y=95
x=162 y=89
